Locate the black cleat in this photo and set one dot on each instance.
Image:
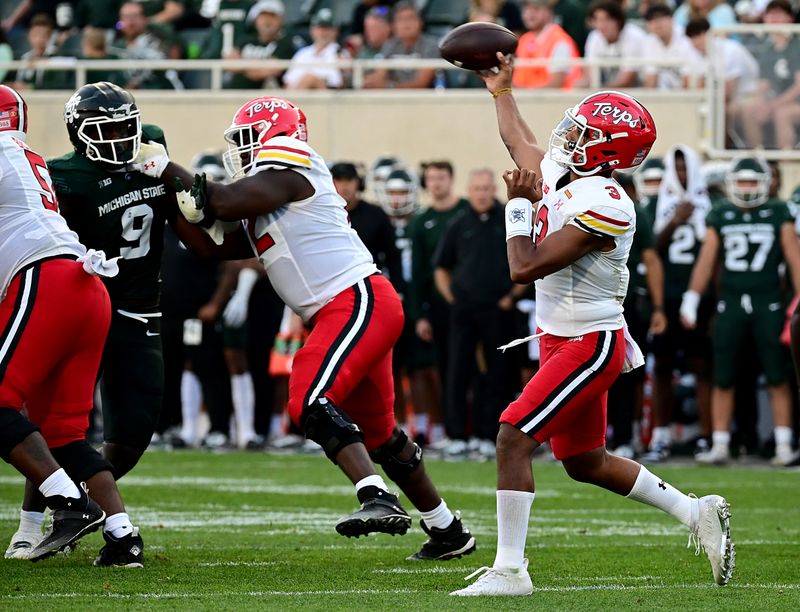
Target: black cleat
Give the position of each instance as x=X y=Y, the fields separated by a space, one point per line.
x=128 y=551
x=380 y=512
x=452 y=542
x=72 y=519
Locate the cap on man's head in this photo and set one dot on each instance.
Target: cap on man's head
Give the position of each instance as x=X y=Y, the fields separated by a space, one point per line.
x=344 y=171
x=265 y=6
x=323 y=18
x=381 y=12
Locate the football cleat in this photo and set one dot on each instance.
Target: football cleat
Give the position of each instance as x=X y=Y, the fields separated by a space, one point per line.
x=657 y=454
x=784 y=455
x=712 y=533
x=452 y=542
x=494 y=582
x=127 y=551
x=380 y=512
x=72 y=519
x=22 y=543
x=719 y=454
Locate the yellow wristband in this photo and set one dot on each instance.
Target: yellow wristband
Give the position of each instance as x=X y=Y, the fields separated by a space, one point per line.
x=505 y=90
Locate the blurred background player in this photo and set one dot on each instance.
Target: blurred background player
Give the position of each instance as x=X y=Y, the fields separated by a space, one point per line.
x=752 y=238
x=426 y=306
x=680 y=228
x=55 y=316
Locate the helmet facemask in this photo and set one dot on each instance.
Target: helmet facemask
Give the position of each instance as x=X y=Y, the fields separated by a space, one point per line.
x=111 y=140
x=748 y=183
x=571 y=139
x=398 y=194
x=244 y=142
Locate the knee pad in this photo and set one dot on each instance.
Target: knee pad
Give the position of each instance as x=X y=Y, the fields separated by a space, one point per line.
x=329 y=427
x=388 y=457
x=14 y=428
x=80 y=461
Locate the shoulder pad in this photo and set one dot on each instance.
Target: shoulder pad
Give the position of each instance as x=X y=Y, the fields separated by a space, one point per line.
x=605 y=220
x=284 y=152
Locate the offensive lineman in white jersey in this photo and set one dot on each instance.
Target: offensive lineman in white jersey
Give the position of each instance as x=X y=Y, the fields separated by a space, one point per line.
x=575 y=244
x=341 y=390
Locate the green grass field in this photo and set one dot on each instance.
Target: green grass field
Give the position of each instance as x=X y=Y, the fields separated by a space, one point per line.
x=255 y=531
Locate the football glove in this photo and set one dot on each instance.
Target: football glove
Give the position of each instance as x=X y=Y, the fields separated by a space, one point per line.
x=151 y=160
x=235 y=313
x=688 y=311
x=191 y=209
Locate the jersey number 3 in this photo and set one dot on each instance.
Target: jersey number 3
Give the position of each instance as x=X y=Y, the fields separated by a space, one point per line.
x=39 y=168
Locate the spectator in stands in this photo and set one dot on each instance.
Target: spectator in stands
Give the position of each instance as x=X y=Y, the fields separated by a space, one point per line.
x=96 y=14
x=408 y=41
x=666 y=42
x=263 y=40
x=571 y=15
x=778 y=96
x=545 y=40
x=6 y=54
x=42 y=39
x=739 y=68
x=613 y=38
x=360 y=11
x=137 y=42
x=303 y=74
x=377 y=31
x=718 y=12
x=94 y=47
x=504 y=13
x=26 y=10
x=477 y=285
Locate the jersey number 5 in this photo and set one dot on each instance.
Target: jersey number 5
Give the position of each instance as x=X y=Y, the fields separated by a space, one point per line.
x=39 y=169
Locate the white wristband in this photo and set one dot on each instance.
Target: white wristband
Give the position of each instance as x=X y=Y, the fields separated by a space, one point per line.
x=519 y=218
x=689 y=305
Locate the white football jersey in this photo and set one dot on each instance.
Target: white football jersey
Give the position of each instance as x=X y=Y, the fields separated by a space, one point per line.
x=30 y=227
x=310 y=252
x=587 y=295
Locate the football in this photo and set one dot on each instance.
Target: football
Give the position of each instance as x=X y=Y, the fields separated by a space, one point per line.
x=473 y=46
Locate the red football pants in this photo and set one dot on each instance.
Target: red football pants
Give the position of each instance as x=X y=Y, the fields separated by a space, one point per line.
x=347 y=358
x=565 y=401
x=54 y=320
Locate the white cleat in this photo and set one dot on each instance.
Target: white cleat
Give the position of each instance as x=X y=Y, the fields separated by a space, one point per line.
x=712 y=533
x=497 y=582
x=719 y=454
x=784 y=455
x=22 y=543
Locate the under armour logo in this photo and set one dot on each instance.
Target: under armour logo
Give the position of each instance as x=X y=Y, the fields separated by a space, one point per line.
x=86 y=516
x=662 y=485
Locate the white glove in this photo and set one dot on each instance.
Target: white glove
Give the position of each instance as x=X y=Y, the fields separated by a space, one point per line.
x=189 y=208
x=236 y=311
x=151 y=160
x=96 y=264
x=220 y=228
x=688 y=311
x=519 y=218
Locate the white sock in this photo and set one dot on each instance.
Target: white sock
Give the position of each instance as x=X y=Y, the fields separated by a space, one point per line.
x=437 y=432
x=421 y=423
x=783 y=435
x=191 y=400
x=118 y=525
x=662 y=436
x=276 y=424
x=58 y=483
x=244 y=398
x=30 y=522
x=720 y=438
x=440 y=517
x=372 y=481
x=653 y=491
x=513 y=512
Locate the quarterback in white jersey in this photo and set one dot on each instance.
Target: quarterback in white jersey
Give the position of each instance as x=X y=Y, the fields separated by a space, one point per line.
x=285 y=208
x=574 y=244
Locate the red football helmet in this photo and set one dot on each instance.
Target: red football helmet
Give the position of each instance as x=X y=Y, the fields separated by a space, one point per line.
x=13 y=111
x=256 y=122
x=608 y=130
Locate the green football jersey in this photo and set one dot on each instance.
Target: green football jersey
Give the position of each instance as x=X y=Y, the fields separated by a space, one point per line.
x=121 y=213
x=642 y=239
x=751 y=251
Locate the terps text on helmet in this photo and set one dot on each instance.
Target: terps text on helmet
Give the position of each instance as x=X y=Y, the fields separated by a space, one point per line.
x=269 y=105
x=604 y=109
